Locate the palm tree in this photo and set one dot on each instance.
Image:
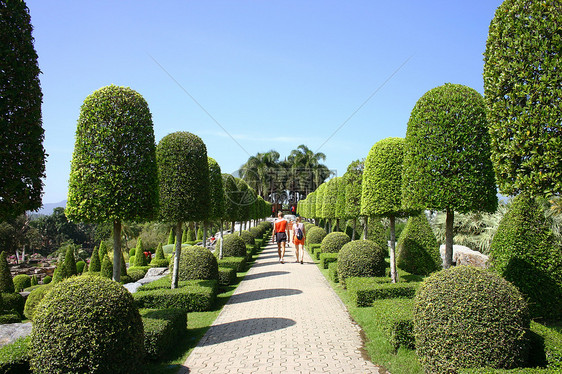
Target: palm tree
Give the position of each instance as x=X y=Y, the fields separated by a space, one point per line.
x=258 y=171
x=306 y=169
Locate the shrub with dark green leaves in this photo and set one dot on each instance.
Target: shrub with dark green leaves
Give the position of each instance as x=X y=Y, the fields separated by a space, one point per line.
x=106 y=267
x=233 y=246
x=136 y=274
x=523 y=252
x=191 y=236
x=333 y=272
x=377 y=233
x=34 y=280
x=95 y=263
x=162 y=329
x=198 y=263
x=6 y=281
x=103 y=335
x=14 y=358
x=333 y=242
x=546 y=347
x=467 y=317
x=21 y=281
x=34 y=298
x=227 y=275
x=315 y=235
x=418 y=250
x=47 y=279
x=327 y=258
x=13 y=302
x=193 y=295
x=80 y=265
x=236 y=263
x=361 y=258
x=247 y=237
x=364 y=290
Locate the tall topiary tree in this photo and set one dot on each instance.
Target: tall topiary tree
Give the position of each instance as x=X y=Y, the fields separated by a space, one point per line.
x=95 y=263
x=243 y=201
x=230 y=196
x=216 y=196
x=382 y=187
x=140 y=258
x=22 y=155
x=183 y=172
x=524 y=253
x=340 y=202
x=113 y=174
x=320 y=191
x=447 y=157
x=353 y=191
x=6 y=281
x=330 y=200
x=522 y=88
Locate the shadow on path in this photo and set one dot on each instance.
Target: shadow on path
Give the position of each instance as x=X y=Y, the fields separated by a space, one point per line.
x=247 y=327
x=265 y=274
x=262 y=294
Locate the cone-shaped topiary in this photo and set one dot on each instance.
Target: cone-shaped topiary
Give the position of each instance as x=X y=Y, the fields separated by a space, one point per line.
x=132 y=252
x=103 y=250
x=140 y=258
x=159 y=260
x=361 y=258
x=184 y=236
x=233 y=246
x=315 y=235
x=159 y=252
x=95 y=263
x=80 y=266
x=191 y=235
x=467 y=317
x=171 y=237
x=104 y=335
x=524 y=253
x=123 y=265
x=333 y=242
x=106 y=267
x=70 y=262
x=418 y=251
x=6 y=281
x=199 y=234
x=247 y=237
x=21 y=281
x=198 y=263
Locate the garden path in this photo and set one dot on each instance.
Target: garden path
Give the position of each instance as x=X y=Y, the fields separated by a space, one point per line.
x=282 y=318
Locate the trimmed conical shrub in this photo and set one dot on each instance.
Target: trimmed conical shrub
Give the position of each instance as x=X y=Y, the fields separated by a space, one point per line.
x=171 y=237
x=95 y=263
x=106 y=267
x=123 y=265
x=140 y=258
x=6 y=281
x=200 y=234
x=103 y=250
x=191 y=235
x=418 y=250
x=159 y=253
x=184 y=237
x=524 y=253
x=70 y=262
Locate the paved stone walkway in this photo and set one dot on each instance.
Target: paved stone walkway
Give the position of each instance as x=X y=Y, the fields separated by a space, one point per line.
x=282 y=318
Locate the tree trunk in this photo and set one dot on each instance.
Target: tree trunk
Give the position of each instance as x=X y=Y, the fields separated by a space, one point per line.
x=220 y=245
x=117 y=250
x=177 y=256
x=393 y=272
x=448 y=260
x=337 y=224
x=365 y=222
x=353 y=232
x=233 y=226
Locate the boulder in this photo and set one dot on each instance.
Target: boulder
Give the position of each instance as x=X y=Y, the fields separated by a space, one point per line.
x=465 y=256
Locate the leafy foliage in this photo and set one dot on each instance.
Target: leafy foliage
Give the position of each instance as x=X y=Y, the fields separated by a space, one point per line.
x=21 y=281
x=230 y=196
x=315 y=235
x=104 y=335
x=233 y=246
x=198 y=263
x=522 y=87
x=95 y=263
x=468 y=317
x=447 y=156
x=34 y=298
x=330 y=198
x=524 y=253
x=6 y=281
x=333 y=242
x=418 y=250
x=353 y=188
x=216 y=190
x=113 y=171
x=361 y=258
x=22 y=155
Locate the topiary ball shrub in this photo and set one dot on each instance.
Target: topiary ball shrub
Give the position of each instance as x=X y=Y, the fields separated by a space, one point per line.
x=247 y=237
x=418 y=250
x=34 y=298
x=466 y=317
x=233 y=246
x=198 y=263
x=48 y=279
x=87 y=324
x=21 y=281
x=333 y=242
x=315 y=235
x=80 y=265
x=13 y=302
x=361 y=258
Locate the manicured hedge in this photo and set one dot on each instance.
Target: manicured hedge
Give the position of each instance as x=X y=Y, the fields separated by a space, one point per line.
x=193 y=296
x=364 y=290
x=236 y=263
x=233 y=246
x=509 y=371
x=546 y=349
x=468 y=317
x=227 y=275
x=334 y=241
x=136 y=273
x=13 y=302
x=34 y=298
x=395 y=318
x=327 y=258
x=198 y=263
x=312 y=248
x=315 y=235
x=361 y=258
x=162 y=329
x=333 y=272
x=14 y=357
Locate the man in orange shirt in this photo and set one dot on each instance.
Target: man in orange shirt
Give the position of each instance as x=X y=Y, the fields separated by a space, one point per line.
x=280 y=235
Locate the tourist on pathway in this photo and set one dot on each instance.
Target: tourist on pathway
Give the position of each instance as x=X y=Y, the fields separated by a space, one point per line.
x=298 y=239
x=280 y=235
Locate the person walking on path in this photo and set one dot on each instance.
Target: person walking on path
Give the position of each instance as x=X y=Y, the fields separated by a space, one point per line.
x=298 y=239
x=281 y=235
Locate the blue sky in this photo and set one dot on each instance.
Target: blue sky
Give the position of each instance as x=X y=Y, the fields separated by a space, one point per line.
x=270 y=74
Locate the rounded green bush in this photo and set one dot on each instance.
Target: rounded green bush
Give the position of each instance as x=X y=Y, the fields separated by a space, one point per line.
x=34 y=298
x=467 y=317
x=80 y=266
x=13 y=302
x=87 y=324
x=6 y=281
x=247 y=237
x=361 y=258
x=48 y=279
x=333 y=242
x=21 y=281
x=315 y=235
x=233 y=246
x=524 y=252
x=198 y=263
x=159 y=263
x=418 y=250
x=136 y=274
x=132 y=252
x=257 y=232
x=307 y=225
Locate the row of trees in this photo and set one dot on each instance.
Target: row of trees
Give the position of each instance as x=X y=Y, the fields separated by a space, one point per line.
x=119 y=174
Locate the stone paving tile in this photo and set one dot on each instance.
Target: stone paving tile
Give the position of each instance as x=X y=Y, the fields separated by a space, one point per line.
x=282 y=318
